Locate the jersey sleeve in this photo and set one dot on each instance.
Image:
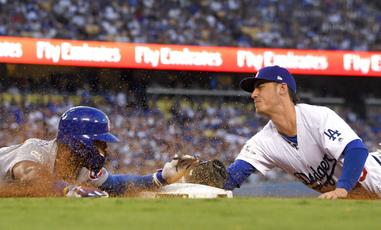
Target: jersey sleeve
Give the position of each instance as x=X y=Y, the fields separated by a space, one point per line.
x=335 y=133
x=254 y=153
x=26 y=152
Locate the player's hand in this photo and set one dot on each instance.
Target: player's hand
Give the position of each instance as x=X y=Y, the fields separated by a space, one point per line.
x=97 y=179
x=79 y=191
x=178 y=167
x=338 y=193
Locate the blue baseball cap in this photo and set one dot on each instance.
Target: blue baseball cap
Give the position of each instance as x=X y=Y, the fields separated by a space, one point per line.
x=270 y=73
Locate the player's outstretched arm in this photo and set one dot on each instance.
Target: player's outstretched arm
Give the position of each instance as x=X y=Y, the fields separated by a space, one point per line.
x=238 y=172
x=122 y=183
x=355 y=155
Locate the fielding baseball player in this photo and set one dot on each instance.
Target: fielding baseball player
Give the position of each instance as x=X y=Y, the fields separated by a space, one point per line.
x=309 y=142
x=75 y=156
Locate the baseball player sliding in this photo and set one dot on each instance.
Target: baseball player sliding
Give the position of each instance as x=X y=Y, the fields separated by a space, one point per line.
x=76 y=156
x=309 y=142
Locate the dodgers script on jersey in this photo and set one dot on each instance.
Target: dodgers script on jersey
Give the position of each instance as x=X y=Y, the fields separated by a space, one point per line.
x=317 y=158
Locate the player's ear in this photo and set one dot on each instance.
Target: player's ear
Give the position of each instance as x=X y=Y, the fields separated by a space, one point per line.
x=282 y=88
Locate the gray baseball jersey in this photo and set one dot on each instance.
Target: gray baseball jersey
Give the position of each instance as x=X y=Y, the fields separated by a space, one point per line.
x=317 y=158
x=36 y=150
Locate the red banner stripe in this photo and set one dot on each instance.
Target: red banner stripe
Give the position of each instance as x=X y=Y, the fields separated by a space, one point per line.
x=187 y=58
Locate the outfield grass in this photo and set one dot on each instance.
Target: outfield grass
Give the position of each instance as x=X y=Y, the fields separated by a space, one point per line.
x=237 y=213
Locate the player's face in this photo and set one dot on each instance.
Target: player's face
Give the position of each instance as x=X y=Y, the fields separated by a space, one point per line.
x=102 y=147
x=66 y=166
x=266 y=97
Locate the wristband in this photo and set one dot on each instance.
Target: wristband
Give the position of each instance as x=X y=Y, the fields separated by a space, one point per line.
x=158 y=179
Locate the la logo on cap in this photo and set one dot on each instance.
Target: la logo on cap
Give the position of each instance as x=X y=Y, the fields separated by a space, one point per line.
x=279 y=78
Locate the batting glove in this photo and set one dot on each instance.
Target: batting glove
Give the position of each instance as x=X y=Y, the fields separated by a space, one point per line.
x=79 y=191
x=97 y=179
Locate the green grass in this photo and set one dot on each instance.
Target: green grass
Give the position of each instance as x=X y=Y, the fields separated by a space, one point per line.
x=215 y=214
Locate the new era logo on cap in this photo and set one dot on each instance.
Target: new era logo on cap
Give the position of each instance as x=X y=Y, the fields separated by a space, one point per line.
x=270 y=73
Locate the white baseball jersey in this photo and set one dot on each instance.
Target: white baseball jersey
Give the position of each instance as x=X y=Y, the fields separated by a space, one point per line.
x=317 y=158
x=36 y=150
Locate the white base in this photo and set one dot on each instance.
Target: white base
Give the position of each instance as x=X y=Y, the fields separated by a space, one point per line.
x=189 y=190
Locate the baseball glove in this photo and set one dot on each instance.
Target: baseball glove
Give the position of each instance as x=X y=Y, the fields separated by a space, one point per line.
x=211 y=172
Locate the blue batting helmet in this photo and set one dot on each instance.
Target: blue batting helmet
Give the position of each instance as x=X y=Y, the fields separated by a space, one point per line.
x=78 y=128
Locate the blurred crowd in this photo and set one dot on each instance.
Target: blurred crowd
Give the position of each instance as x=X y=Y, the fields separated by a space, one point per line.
x=305 y=24
x=150 y=136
